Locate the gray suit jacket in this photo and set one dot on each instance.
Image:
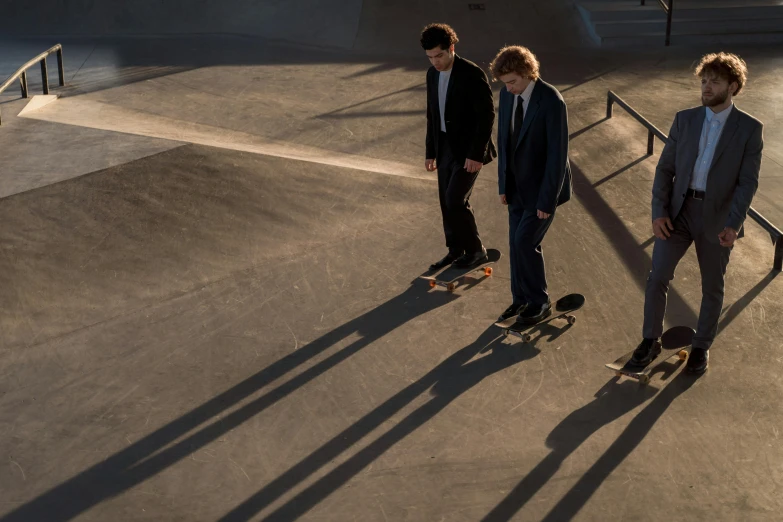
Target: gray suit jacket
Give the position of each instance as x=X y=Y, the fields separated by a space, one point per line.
x=541 y=170
x=733 y=177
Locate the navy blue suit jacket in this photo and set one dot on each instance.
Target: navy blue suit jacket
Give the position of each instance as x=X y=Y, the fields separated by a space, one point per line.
x=541 y=170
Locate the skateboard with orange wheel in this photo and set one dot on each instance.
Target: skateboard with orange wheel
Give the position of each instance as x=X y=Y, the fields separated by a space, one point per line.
x=452 y=276
x=674 y=342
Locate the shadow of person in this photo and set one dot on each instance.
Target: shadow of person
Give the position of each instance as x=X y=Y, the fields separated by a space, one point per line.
x=611 y=402
x=207 y=422
x=447 y=381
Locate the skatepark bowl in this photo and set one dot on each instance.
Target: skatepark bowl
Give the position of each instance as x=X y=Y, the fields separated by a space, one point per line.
x=211 y=243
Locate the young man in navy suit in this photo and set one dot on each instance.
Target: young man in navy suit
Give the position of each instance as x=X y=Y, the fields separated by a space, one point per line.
x=534 y=174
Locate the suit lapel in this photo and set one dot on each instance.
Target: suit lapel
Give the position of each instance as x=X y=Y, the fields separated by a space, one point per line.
x=507 y=109
x=454 y=70
x=694 y=138
x=532 y=109
x=732 y=124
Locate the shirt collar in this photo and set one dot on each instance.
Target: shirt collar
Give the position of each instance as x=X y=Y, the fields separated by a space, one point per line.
x=528 y=91
x=721 y=116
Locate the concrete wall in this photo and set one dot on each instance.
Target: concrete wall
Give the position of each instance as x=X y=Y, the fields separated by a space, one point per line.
x=320 y=22
x=373 y=25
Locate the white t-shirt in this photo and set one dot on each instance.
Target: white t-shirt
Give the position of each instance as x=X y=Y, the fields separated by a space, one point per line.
x=443 y=89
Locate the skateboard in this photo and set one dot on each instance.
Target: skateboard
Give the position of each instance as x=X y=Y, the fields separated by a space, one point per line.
x=452 y=276
x=563 y=308
x=674 y=341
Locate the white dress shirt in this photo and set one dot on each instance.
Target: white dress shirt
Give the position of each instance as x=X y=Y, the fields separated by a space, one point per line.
x=710 y=135
x=443 y=89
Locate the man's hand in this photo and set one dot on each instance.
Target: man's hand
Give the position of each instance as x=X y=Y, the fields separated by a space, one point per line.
x=662 y=228
x=727 y=237
x=473 y=166
x=503 y=200
x=429 y=164
x=543 y=215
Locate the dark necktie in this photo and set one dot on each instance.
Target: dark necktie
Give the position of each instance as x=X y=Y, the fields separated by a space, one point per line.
x=513 y=137
x=519 y=117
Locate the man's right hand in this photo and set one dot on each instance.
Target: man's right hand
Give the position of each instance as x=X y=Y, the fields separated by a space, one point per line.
x=503 y=200
x=662 y=228
x=429 y=164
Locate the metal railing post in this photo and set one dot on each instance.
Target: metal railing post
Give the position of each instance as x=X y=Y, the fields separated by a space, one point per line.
x=777 y=264
x=609 y=105
x=23 y=85
x=650 y=142
x=21 y=73
x=60 y=66
x=45 y=76
x=669 y=22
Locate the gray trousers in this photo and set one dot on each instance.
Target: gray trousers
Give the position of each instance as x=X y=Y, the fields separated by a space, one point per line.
x=713 y=260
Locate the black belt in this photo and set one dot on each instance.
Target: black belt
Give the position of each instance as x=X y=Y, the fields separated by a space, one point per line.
x=695 y=194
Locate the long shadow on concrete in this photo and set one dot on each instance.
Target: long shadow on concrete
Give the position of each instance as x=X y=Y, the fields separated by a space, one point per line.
x=635 y=259
x=150 y=455
x=450 y=379
x=611 y=403
x=740 y=304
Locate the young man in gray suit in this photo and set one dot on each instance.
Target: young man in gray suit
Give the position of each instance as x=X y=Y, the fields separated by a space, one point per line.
x=704 y=184
x=534 y=174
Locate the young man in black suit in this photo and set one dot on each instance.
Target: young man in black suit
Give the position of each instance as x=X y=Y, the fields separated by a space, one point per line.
x=533 y=172
x=460 y=115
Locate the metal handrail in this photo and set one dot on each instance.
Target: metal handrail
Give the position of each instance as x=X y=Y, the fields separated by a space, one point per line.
x=668 y=9
x=652 y=132
x=21 y=73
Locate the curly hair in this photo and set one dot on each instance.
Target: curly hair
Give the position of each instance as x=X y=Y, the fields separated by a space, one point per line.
x=438 y=35
x=726 y=66
x=515 y=59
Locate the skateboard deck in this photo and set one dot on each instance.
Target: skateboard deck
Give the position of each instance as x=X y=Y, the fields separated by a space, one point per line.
x=563 y=308
x=452 y=276
x=674 y=341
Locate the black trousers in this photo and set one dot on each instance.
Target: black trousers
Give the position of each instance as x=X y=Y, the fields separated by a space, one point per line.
x=455 y=186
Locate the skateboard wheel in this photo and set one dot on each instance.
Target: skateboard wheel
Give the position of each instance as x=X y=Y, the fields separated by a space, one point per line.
x=527 y=338
x=644 y=379
x=618 y=374
x=451 y=287
x=571 y=319
x=683 y=355
x=488 y=270
x=506 y=332
x=433 y=284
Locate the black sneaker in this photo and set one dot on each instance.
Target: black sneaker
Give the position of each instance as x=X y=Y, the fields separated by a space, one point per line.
x=647 y=350
x=533 y=314
x=469 y=260
x=511 y=311
x=450 y=258
x=698 y=361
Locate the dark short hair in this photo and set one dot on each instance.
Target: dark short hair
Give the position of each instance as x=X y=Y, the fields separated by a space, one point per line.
x=515 y=59
x=438 y=35
x=726 y=66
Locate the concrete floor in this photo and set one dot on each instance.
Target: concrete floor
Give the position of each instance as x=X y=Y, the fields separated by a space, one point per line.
x=210 y=306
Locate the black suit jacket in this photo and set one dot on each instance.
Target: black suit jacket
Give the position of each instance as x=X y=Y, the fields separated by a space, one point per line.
x=470 y=113
x=541 y=170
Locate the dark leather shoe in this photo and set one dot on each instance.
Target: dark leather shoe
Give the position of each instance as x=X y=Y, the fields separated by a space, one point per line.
x=511 y=311
x=533 y=314
x=469 y=260
x=446 y=261
x=647 y=350
x=698 y=361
